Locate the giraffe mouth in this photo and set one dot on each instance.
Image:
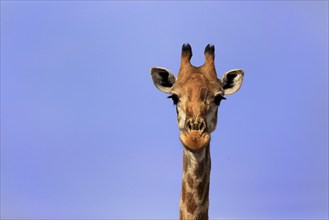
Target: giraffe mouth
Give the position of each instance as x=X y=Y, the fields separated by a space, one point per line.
x=194 y=140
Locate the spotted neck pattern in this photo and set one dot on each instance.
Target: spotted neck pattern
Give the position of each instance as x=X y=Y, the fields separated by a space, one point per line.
x=194 y=201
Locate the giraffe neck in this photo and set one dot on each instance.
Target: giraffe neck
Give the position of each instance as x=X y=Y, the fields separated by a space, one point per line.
x=194 y=201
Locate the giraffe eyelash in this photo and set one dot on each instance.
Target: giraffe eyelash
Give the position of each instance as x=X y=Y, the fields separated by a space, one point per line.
x=218 y=99
x=174 y=98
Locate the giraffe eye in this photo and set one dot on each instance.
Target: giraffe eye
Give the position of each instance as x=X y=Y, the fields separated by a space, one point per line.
x=218 y=99
x=174 y=98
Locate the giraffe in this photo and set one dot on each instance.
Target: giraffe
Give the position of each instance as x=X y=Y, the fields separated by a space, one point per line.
x=197 y=94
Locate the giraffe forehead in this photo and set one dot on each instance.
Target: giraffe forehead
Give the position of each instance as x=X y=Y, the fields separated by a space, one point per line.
x=196 y=87
x=198 y=93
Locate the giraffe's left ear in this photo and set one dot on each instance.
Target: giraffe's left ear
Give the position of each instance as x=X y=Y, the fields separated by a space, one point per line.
x=163 y=79
x=232 y=81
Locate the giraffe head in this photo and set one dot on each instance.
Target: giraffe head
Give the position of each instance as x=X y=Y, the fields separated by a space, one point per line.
x=197 y=93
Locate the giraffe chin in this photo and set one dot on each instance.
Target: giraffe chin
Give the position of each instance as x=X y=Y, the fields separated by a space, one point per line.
x=194 y=140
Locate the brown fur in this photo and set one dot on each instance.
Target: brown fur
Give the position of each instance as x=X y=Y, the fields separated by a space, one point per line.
x=189 y=181
x=195 y=187
x=185 y=163
x=183 y=193
x=201 y=187
x=200 y=170
x=190 y=203
x=202 y=216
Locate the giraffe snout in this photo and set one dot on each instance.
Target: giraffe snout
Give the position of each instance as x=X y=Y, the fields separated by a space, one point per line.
x=197 y=124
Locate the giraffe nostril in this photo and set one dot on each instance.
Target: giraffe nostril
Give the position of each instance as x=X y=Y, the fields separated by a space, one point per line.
x=189 y=125
x=196 y=125
x=201 y=126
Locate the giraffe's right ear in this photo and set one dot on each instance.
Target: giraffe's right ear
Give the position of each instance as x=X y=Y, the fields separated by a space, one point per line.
x=163 y=79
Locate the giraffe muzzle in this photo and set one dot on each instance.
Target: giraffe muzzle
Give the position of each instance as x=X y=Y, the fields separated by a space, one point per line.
x=196 y=124
x=195 y=136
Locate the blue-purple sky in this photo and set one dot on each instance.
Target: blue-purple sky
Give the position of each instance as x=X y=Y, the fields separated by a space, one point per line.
x=85 y=134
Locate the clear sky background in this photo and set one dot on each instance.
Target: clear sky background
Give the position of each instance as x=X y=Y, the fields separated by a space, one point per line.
x=85 y=134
